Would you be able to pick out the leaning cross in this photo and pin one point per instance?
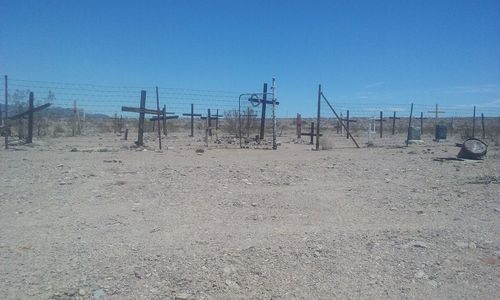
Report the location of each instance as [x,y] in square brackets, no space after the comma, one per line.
[29,113]
[142,111]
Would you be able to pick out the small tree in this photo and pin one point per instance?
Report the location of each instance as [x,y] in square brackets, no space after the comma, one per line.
[231,121]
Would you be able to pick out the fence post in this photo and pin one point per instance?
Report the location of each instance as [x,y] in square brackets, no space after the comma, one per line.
[7,128]
[30,119]
[393,123]
[318,117]
[381,123]
[474,122]
[421,123]
[312,134]
[347,123]
[409,125]
[482,125]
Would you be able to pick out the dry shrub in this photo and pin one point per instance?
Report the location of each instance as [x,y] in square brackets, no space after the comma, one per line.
[326,143]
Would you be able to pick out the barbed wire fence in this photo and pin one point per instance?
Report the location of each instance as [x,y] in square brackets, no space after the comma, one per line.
[104,102]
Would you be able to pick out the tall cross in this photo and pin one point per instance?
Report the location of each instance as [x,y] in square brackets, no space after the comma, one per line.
[436,112]
[192,115]
[29,114]
[255,99]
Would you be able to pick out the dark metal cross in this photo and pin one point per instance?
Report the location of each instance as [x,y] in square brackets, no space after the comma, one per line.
[258,101]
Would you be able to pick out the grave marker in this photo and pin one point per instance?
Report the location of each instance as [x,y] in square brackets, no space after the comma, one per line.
[29,114]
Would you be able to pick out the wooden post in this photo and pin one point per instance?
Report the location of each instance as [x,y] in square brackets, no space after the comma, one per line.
[192,120]
[73,132]
[209,123]
[7,128]
[164,121]
[30,119]
[158,108]
[482,125]
[421,123]
[140,134]
[318,117]
[217,122]
[409,125]
[347,123]
[126,134]
[394,123]
[312,134]
[298,125]
[381,123]
[474,122]
[263,114]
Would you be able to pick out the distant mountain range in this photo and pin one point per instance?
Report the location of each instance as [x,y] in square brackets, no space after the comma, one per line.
[56,112]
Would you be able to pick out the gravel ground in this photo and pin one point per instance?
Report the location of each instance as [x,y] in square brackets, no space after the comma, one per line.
[93,218]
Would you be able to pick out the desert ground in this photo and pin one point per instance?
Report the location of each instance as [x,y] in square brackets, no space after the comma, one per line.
[91,217]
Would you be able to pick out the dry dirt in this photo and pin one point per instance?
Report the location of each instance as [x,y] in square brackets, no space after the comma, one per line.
[110,222]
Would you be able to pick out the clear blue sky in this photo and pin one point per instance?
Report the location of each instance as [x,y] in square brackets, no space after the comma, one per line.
[445,52]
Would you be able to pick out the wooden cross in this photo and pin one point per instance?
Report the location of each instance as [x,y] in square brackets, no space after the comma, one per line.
[142,111]
[393,118]
[347,120]
[29,114]
[421,122]
[248,115]
[312,134]
[436,111]
[192,115]
[209,119]
[164,119]
[255,99]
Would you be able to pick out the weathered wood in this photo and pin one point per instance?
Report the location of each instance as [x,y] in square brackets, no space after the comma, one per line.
[126,134]
[192,115]
[7,129]
[474,122]
[318,117]
[158,116]
[26,113]
[140,110]
[263,113]
[394,118]
[154,119]
[381,121]
[29,140]
[482,125]
[421,122]
[409,125]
